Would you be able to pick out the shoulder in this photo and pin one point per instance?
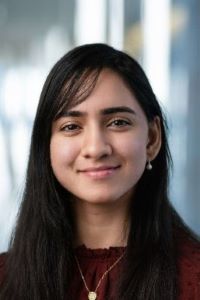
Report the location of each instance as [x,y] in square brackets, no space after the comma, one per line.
[3,257]
[189,268]
[189,253]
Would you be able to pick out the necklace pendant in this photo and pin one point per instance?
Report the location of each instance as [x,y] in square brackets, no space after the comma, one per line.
[92,295]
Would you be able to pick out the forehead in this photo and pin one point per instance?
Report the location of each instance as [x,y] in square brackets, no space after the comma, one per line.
[109,91]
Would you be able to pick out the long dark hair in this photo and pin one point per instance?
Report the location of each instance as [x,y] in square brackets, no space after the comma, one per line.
[40,256]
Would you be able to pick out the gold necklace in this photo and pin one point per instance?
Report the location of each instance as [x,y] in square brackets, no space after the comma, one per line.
[92,295]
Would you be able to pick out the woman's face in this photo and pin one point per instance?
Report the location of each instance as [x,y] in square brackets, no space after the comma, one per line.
[99,147]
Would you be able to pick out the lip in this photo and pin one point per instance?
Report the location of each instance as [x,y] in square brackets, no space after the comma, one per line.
[100,172]
[101,168]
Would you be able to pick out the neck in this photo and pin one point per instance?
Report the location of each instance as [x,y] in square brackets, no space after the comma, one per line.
[101,225]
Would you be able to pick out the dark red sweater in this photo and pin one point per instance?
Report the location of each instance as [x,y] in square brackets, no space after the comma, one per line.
[95,262]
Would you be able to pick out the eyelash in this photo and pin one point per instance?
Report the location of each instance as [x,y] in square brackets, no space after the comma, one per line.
[68,126]
[125,122]
[75,126]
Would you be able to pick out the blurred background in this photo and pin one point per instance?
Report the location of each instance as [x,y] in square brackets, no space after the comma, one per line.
[164,36]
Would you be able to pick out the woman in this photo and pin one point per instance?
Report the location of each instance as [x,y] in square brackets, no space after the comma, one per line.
[95,220]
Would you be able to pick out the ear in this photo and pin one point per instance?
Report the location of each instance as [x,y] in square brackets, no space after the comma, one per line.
[154,139]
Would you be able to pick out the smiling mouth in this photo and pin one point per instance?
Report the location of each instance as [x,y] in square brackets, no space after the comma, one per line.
[102,172]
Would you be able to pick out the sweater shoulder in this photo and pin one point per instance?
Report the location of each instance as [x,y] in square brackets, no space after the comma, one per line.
[3,258]
[189,269]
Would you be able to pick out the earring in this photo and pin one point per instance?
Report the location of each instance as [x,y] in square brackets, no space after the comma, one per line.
[149,166]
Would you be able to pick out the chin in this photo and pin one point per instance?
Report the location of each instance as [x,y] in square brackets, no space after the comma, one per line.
[100,199]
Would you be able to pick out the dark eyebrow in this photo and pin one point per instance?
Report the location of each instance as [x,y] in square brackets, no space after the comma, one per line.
[113,110]
[72,113]
[105,111]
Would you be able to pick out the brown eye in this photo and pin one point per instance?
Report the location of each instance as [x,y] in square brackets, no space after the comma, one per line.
[119,123]
[71,127]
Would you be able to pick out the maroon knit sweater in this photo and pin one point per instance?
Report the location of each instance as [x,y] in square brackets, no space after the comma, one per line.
[94,262]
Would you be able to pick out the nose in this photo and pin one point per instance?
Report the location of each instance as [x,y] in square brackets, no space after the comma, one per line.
[96,144]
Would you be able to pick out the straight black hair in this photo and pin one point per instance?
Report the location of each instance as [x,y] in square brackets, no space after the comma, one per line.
[40,257]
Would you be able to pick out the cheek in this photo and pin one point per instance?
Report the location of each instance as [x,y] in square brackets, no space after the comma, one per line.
[132,147]
[62,153]
[133,151]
